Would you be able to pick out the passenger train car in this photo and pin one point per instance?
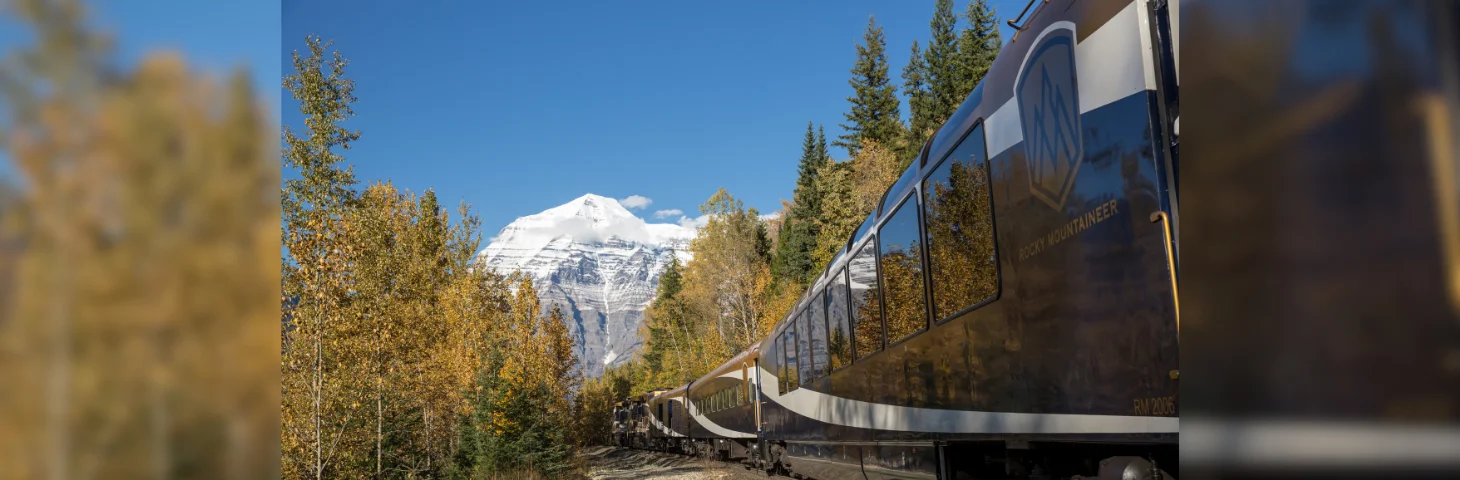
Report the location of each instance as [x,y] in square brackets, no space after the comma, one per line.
[1010,308]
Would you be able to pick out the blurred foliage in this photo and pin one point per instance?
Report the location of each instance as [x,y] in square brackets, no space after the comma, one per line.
[137,248]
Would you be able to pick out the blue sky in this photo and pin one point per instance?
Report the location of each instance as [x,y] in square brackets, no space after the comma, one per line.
[216,37]
[517,107]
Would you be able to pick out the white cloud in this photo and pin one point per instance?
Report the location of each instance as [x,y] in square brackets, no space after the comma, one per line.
[635,201]
[693,223]
[668,213]
[770,216]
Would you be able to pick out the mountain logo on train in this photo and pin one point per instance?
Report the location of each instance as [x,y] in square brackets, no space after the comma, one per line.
[1049,112]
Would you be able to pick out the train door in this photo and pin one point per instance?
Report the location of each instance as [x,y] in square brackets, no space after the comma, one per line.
[755,401]
[1161,25]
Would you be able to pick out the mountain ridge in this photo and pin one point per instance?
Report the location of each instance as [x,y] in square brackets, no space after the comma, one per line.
[596,260]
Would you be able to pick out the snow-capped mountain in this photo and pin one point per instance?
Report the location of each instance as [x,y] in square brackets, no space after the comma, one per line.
[596,260]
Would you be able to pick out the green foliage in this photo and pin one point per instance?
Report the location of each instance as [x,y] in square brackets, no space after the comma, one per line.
[875,113]
[944,82]
[593,409]
[978,45]
[799,229]
[324,96]
[510,428]
[920,99]
[821,150]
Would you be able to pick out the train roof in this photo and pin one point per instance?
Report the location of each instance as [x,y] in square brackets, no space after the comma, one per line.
[669,393]
[733,364]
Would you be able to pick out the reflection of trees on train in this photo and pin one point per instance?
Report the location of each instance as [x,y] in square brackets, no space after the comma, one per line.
[960,237]
[958,218]
[867,306]
[841,348]
[903,281]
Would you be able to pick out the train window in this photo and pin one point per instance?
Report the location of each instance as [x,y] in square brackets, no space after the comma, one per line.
[803,347]
[903,182]
[960,229]
[816,317]
[902,272]
[745,376]
[839,343]
[779,350]
[866,304]
[864,228]
[791,367]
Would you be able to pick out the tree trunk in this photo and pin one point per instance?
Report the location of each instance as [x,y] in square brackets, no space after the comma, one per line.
[161,461]
[379,420]
[318,392]
[59,380]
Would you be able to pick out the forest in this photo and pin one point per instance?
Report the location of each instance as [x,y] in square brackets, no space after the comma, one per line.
[401,360]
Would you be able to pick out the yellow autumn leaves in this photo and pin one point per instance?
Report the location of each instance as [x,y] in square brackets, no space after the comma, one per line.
[401,358]
[138,241]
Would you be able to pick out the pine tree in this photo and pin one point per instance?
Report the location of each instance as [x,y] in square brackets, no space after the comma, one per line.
[977,46]
[851,192]
[875,112]
[811,162]
[942,64]
[920,100]
[797,237]
[822,151]
[520,417]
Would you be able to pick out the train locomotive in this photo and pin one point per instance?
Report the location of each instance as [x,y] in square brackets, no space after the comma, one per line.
[1009,310]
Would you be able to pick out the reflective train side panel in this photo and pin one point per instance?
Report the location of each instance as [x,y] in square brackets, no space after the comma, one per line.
[1010,308]
[722,408]
[669,423]
[1016,284]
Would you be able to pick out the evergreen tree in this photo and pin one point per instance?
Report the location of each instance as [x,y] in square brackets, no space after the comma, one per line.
[822,151]
[663,328]
[799,230]
[520,417]
[811,162]
[942,64]
[920,99]
[977,46]
[875,113]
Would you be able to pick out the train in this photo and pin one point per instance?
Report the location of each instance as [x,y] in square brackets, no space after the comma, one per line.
[1009,310]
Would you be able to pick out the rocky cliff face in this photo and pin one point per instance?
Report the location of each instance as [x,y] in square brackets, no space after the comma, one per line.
[597,261]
